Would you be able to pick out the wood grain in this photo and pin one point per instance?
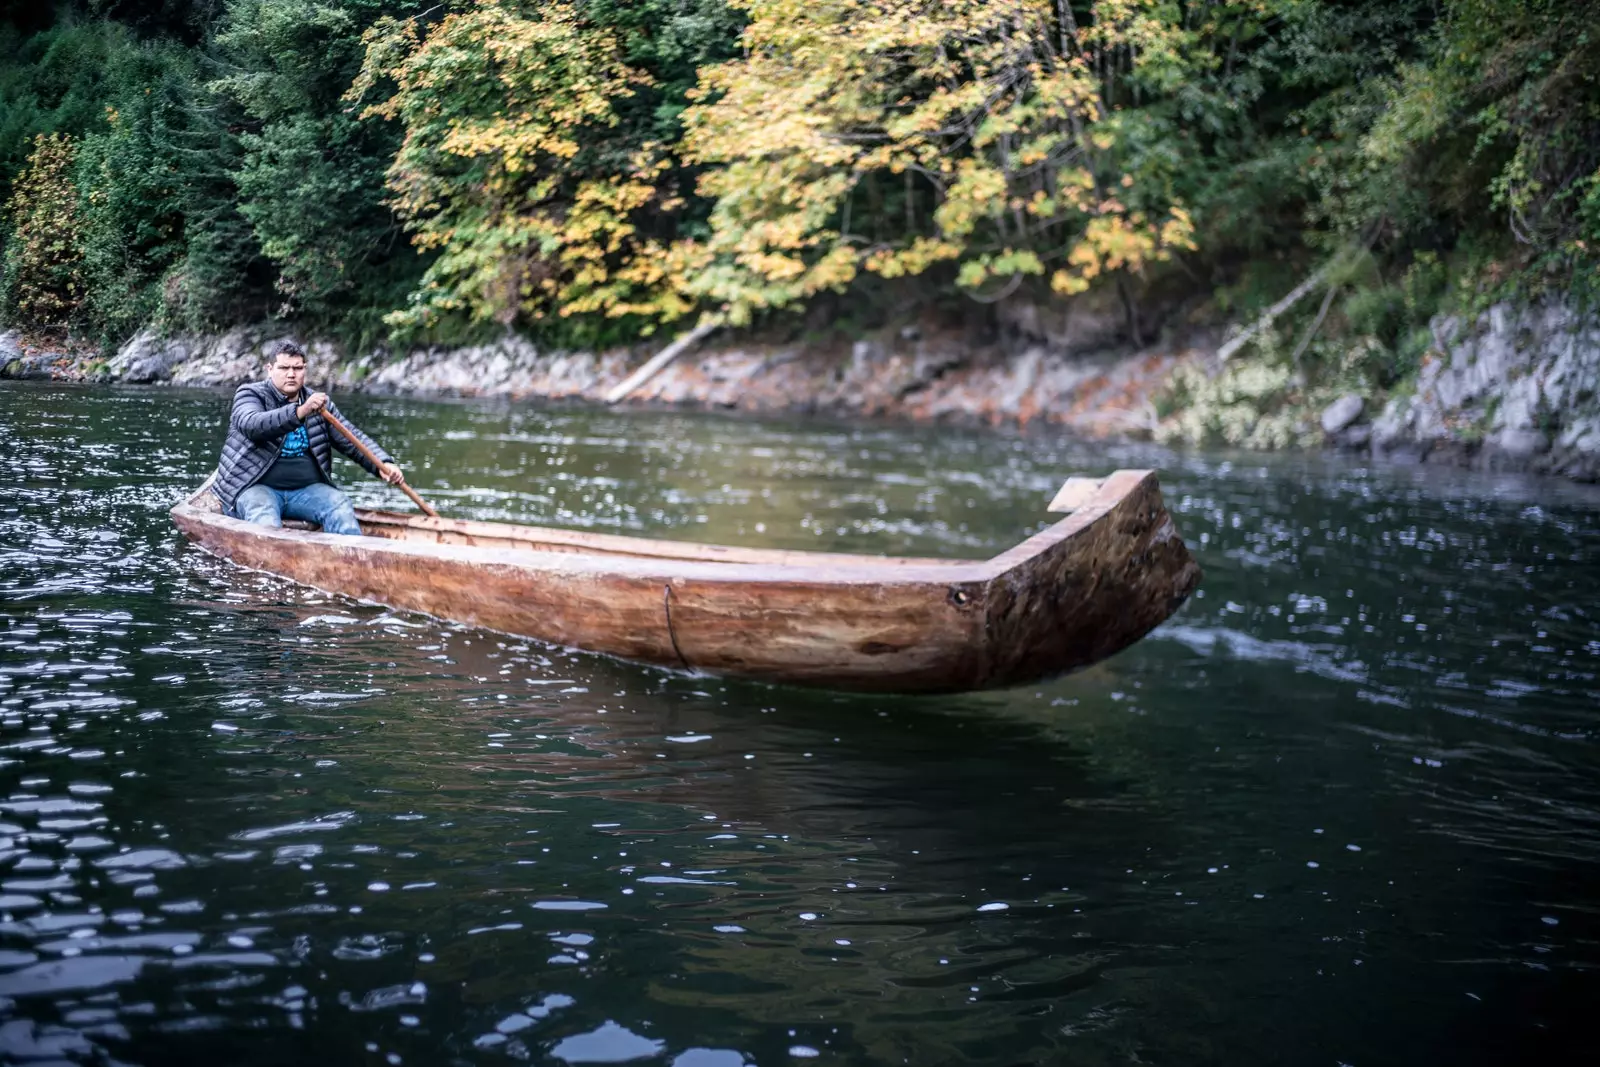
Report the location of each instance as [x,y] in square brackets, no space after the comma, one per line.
[1078,591]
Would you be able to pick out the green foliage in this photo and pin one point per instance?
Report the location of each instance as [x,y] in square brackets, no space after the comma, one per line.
[669,41]
[517,170]
[590,171]
[309,174]
[161,234]
[131,195]
[1499,129]
[1389,321]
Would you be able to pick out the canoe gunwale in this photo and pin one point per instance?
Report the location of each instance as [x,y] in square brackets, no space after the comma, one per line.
[744,565]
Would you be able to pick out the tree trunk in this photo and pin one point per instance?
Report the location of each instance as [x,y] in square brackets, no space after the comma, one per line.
[659,361]
[1130,307]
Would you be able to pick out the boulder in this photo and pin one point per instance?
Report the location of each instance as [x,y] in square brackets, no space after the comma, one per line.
[1526,377]
[1393,425]
[148,358]
[234,357]
[1520,443]
[1024,373]
[1581,435]
[1084,323]
[1354,437]
[19,362]
[1342,412]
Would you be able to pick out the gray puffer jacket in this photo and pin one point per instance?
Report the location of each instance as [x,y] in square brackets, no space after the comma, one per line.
[262,417]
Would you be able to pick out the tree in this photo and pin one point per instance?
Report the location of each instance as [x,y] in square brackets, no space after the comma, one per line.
[510,172]
[310,174]
[1001,137]
[1500,125]
[132,185]
[43,279]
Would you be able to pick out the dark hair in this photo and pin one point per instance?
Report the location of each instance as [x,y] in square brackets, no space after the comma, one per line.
[286,348]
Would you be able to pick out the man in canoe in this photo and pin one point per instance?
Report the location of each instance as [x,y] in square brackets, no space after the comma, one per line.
[276,460]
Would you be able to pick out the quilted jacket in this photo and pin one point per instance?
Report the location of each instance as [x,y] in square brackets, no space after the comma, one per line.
[262,417]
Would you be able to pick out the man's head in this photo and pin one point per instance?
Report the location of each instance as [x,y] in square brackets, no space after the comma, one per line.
[286,368]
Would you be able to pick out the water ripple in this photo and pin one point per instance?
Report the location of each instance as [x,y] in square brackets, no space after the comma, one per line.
[1353,779]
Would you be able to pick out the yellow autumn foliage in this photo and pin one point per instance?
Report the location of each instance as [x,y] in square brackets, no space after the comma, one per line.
[42,269]
[503,106]
[983,117]
[893,137]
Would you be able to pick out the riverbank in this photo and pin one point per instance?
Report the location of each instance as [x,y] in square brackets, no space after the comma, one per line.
[1511,390]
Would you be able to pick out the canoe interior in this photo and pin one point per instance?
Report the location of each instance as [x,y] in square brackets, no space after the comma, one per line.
[420,529]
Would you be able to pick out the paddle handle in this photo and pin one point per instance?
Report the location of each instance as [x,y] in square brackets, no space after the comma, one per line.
[372,458]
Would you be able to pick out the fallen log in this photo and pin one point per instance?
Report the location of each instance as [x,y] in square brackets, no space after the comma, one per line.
[1299,292]
[659,361]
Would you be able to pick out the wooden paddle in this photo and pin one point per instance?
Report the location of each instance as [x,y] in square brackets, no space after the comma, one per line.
[427,509]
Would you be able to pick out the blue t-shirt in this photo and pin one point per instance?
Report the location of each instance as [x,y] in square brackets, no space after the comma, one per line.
[295,467]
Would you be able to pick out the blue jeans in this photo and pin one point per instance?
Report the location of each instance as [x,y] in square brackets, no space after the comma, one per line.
[319,503]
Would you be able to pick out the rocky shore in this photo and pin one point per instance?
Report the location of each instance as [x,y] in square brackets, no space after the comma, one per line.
[1510,390]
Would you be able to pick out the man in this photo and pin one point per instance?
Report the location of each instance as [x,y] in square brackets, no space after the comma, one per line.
[276,460]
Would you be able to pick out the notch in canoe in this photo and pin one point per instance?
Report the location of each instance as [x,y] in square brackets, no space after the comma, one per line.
[1078,591]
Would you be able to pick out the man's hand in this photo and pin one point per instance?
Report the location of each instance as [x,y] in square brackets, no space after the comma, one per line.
[314,403]
[392,474]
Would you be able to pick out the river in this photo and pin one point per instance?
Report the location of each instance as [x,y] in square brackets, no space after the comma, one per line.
[1343,808]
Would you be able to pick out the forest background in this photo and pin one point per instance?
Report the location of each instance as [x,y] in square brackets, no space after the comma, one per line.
[592,172]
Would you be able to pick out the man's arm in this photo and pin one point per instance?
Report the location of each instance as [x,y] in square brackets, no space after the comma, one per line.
[258,422]
[340,442]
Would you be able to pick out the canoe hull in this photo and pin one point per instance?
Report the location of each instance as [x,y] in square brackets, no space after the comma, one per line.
[1079,591]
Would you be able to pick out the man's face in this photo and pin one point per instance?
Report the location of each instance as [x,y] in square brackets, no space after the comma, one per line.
[288,373]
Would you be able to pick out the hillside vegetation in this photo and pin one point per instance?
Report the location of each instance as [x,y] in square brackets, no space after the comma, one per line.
[588,172]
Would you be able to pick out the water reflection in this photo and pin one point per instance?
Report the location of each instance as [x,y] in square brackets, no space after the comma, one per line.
[243,822]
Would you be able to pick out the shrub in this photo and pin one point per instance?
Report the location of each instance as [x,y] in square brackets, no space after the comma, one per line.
[43,280]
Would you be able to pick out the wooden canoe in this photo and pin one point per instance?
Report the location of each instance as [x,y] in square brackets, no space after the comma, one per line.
[1072,594]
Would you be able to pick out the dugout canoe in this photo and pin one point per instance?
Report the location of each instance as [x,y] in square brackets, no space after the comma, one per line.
[1078,591]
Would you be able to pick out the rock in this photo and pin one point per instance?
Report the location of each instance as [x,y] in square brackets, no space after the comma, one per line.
[1445,330]
[1354,437]
[234,357]
[1519,406]
[147,358]
[1392,426]
[932,361]
[1087,322]
[1581,435]
[1515,388]
[1342,412]
[1520,443]
[1521,375]
[863,354]
[1025,371]
[22,363]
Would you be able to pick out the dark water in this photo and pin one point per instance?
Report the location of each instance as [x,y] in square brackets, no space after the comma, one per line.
[1344,809]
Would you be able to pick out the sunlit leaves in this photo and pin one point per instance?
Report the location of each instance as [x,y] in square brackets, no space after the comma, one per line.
[883,136]
[43,279]
[985,123]
[503,106]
